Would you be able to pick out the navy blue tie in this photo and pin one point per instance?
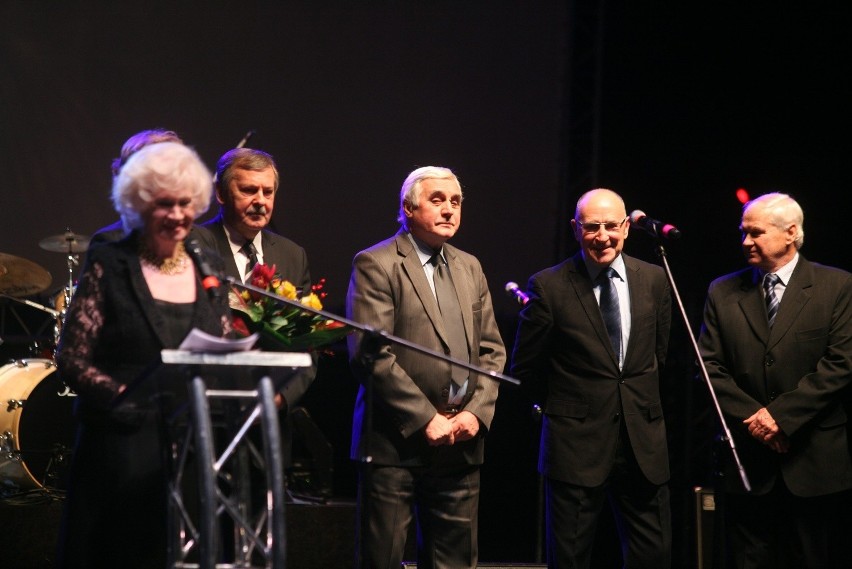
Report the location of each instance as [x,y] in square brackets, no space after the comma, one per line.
[610,308]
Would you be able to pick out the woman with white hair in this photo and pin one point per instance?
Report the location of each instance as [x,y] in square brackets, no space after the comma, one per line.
[135,297]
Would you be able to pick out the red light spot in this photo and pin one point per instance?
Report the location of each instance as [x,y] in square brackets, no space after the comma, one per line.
[742,195]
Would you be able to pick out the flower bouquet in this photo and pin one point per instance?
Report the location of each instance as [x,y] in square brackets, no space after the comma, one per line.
[282,327]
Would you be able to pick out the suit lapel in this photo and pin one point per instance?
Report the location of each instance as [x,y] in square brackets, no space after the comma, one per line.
[753,305]
[224,247]
[580,280]
[464,287]
[267,241]
[142,294]
[417,276]
[796,296]
[635,282]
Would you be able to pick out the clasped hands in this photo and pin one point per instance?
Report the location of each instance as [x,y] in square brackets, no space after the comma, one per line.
[763,427]
[441,430]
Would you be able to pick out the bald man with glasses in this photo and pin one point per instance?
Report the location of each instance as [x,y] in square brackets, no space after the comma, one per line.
[589,348]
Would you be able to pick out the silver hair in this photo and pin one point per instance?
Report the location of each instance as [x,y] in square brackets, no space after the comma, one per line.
[410,192]
[782,212]
[161,166]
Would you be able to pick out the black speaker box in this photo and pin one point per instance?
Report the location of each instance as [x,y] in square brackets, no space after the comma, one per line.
[705,510]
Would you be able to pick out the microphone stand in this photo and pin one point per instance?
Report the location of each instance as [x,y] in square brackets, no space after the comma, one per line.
[373,340]
[376,337]
[661,252]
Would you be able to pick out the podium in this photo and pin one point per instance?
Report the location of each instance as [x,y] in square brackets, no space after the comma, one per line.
[238,388]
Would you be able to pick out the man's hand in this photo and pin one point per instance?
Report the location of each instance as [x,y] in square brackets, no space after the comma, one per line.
[439,431]
[763,427]
[779,443]
[465,425]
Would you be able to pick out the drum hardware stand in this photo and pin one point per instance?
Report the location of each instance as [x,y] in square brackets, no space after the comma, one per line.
[34,348]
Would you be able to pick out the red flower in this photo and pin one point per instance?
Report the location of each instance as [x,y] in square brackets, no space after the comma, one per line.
[240,327]
[262,275]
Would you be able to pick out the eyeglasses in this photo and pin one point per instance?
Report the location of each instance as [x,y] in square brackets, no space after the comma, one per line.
[595,226]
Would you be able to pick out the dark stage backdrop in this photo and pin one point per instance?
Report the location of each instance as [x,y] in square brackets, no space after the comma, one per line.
[697,100]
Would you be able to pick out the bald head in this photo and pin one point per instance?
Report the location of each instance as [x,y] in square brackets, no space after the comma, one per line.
[600,225]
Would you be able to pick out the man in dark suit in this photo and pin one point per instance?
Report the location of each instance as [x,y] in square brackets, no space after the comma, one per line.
[777,345]
[429,419]
[591,343]
[246,187]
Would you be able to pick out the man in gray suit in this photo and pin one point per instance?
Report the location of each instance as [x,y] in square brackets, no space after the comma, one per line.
[777,345]
[425,438]
[246,187]
[590,345]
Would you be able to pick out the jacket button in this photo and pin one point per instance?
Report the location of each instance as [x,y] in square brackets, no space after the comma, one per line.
[445,392]
[769,361]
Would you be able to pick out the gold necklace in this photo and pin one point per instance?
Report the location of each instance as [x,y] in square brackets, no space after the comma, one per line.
[173,265]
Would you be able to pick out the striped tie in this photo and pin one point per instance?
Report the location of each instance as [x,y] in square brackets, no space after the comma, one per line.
[250,252]
[772,302]
[610,308]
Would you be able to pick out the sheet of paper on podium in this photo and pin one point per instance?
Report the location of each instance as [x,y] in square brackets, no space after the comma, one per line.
[200,341]
[202,348]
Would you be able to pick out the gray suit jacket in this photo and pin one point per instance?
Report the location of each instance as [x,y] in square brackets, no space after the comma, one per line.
[389,291]
[798,370]
[563,355]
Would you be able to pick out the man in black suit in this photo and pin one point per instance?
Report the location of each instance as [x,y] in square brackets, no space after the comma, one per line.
[246,188]
[777,345]
[596,363]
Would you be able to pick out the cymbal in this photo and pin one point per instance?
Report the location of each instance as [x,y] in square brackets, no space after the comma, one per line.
[68,242]
[19,277]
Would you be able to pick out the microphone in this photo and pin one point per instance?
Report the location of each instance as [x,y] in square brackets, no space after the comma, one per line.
[652,226]
[245,139]
[209,277]
[519,295]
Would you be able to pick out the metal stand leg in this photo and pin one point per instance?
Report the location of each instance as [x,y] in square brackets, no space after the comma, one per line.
[258,536]
[276,531]
[202,426]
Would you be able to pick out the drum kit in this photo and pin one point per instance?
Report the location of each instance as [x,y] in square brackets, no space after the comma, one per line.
[36,407]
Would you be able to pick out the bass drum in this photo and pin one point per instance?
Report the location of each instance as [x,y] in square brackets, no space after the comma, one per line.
[36,431]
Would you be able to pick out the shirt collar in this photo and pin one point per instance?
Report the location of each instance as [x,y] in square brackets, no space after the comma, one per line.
[785,272]
[424,252]
[617,265]
[237,241]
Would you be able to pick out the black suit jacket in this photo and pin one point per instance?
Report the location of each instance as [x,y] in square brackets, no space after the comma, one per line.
[113,293]
[798,370]
[289,258]
[291,262]
[563,354]
[115,510]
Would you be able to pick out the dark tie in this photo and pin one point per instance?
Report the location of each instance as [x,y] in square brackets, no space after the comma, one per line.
[610,309]
[250,252]
[772,302]
[448,302]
